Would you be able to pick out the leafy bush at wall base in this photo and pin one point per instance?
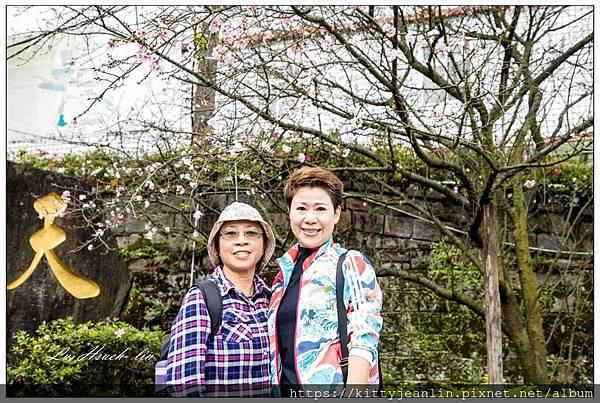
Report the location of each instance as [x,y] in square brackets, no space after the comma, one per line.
[63,359]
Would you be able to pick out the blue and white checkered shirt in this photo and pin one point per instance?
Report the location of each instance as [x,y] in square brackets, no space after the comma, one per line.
[233,363]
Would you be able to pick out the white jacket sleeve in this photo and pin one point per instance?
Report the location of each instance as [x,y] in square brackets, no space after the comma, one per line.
[364,298]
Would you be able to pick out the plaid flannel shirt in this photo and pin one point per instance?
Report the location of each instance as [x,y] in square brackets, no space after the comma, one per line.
[233,363]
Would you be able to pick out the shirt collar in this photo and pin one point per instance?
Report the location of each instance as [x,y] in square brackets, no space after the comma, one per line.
[328,244]
[288,259]
[225,285]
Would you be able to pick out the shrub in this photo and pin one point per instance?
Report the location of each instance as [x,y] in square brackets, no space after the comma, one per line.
[108,358]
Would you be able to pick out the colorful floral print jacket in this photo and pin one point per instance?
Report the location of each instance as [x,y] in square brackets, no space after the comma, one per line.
[317,346]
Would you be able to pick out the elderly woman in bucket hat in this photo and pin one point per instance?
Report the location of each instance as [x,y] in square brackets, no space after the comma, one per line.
[235,362]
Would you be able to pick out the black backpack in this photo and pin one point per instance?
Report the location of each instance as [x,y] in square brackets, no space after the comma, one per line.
[343,324]
[214,303]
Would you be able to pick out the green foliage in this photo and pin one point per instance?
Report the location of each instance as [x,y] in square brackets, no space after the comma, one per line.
[450,266]
[91,164]
[155,298]
[569,177]
[108,358]
[445,340]
[567,305]
[145,249]
[200,40]
[153,308]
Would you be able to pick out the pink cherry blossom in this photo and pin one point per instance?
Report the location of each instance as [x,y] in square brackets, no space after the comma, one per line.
[218,50]
[277,133]
[442,47]
[389,30]
[304,158]
[234,35]
[393,54]
[286,22]
[143,53]
[66,196]
[222,54]
[215,25]
[529,183]
[240,43]
[268,36]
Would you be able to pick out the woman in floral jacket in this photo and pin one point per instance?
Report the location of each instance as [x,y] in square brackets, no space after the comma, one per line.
[302,319]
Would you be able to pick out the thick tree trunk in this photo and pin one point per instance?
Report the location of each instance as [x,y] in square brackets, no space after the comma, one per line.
[519,337]
[533,317]
[493,312]
[203,102]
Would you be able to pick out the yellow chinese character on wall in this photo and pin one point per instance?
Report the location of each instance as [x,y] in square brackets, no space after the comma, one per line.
[45,240]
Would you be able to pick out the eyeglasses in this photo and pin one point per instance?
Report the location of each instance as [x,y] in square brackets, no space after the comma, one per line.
[232,235]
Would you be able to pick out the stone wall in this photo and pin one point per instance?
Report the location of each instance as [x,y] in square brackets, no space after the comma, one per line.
[424,337]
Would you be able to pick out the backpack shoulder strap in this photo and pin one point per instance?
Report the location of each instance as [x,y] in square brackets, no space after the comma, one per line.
[343,323]
[342,315]
[164,348]
[214,304]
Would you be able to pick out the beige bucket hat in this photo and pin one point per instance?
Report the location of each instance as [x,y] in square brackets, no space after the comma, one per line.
[240,211]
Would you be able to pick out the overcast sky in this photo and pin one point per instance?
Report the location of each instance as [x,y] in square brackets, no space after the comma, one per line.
[20,19]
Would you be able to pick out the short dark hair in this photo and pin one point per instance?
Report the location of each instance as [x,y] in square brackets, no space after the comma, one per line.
[314,177]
